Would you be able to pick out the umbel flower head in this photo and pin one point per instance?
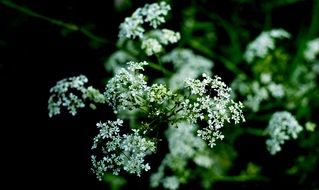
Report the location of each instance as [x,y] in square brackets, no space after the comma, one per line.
[71,93]
[153,14]
[217,109]
[120,152]
[205,100]
[282,127]
[265,42]
[152,41]
[128,90]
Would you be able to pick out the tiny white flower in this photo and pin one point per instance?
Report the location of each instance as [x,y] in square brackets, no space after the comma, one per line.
[282,126]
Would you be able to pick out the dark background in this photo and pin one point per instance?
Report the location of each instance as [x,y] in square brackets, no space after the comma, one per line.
[43,153]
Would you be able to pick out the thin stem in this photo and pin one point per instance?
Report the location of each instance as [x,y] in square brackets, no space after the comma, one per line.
[152,128]
[174,112]
[125,155]
[69,26]
[240,178]
[160,68]
[144,110]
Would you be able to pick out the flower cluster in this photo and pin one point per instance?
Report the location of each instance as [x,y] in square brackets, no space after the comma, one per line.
[265,42]
[151,41]
[159,98]
[186,106]
[282,126]
[71,93]
[120,152]
[154,40]
[217,109]
[167,36]
[154,14]
[126,89]
[151,46]
[207,99]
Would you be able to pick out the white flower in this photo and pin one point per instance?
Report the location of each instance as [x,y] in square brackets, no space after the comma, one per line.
[155,13]
[218,109]
[151,46]
[265,42]
[120,152]
[127,88]
[63,97]
[168,36]
[282,126]
[158,93]
[132,26]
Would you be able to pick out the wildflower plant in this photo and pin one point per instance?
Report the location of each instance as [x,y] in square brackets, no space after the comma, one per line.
[167,95]
[152,41]
[199,98]
[128,90]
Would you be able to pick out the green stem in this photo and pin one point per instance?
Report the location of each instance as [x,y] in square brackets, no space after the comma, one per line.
[240,178]
[69,26]
[160,68]
[160,63]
